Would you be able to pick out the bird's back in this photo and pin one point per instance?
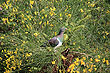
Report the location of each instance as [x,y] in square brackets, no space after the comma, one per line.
[53,42]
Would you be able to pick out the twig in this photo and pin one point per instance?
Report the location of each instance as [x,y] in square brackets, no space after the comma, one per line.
[79,54]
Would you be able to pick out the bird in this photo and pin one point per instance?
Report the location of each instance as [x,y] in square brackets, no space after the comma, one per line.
[57,40]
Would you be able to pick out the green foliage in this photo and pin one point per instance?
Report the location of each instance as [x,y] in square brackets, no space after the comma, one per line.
[26,25]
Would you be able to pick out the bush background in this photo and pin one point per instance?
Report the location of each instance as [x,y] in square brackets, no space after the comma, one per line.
[26,24]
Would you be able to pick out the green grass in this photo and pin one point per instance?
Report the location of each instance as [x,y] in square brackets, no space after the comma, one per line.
[26,25]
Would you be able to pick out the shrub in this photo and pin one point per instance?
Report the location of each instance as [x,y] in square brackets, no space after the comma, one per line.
[25,26]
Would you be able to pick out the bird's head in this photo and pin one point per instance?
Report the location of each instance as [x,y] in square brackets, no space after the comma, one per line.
[63,29]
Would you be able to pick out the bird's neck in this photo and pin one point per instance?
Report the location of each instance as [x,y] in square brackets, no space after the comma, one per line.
[60,36]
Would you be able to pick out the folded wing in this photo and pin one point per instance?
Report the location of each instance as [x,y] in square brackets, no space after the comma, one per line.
[53,42]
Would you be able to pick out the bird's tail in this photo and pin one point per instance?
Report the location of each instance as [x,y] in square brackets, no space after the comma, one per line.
[44,44]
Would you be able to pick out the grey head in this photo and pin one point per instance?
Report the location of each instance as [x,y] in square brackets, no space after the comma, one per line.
[62,30]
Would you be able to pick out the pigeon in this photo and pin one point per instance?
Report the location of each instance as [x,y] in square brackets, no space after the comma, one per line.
[57,40]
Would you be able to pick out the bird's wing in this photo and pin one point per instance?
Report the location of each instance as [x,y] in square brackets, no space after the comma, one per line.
[53,42]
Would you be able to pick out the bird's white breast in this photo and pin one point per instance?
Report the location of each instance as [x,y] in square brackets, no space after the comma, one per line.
[59,44]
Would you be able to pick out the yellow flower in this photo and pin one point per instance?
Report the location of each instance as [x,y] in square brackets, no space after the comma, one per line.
[61,18]
[65,10]
[91,59]
[104,37]
[82,62]
[88,2]
[98,56]
[107,11]
[46,15]
[79,47]
[71,67]
[11,19]
[8,52]
[1,37]
[42,10]
[15,52]
[53,62]
[107,62]
[35,13]
[42,17]
[60,70]
[13,24]
[84,70]
[64,71]
[27,11]
[7,71]
[94,65]
[8,65]
[92,5]
[77,72]
[47,22]
[2,43]
[6,6]
[51,25]
[35,34]
[95,69]
[31,6]
[69,15]
[55,33]
[19,66]
[76,63]
[4,20]
[77,59]
[53,9]
[30,54]
[0,58]
[27,16]
[7,1]
[50,50]
[81,10]
[106,33]
[22,21]
[66,13]
[40,22]
[60,14]
[2,50]
[51,13]
[103,60]
[12,56]
[84,58]
[26,32]
[13,67]
[68,70]
[74,43]
[5,50]
[31,2]
[13,9]
[63,57]
[23,42]
[97,60]
[96,48]
[90,70]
